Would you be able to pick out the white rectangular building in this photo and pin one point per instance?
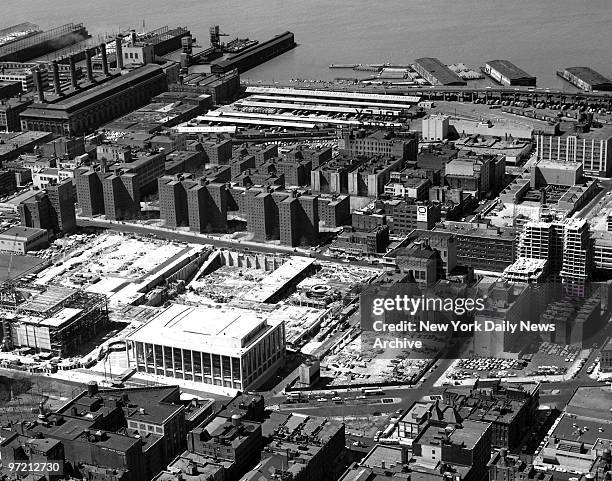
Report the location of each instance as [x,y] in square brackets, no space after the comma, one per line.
[20,240]
[435,128]
[227,348]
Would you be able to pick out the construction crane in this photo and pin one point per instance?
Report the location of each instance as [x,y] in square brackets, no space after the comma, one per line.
[215,37]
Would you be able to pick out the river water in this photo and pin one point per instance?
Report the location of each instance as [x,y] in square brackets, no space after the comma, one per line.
[540,36]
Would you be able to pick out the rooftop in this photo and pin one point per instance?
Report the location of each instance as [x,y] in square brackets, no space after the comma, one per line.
[508,69]
[593,402]
[589,75]
[18,233]
[95,93]
[441,72]
[223,329]
[270,285]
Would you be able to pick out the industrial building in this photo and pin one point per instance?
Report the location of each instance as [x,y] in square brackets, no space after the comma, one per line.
[506,73]
[384,143]
[164,111]
[435,128]
[586,79]
[40,43]
[481,246]
[13,144]
[10,109]
[20,240]
[362,243]
[86,110]
[54,319]
[256,55]
[305,109]
[235,350]
[330,97]
[221,87]
[482,175]
[436,73]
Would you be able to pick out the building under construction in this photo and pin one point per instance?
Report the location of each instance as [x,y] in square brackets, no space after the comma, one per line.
[41,43]
[52,319]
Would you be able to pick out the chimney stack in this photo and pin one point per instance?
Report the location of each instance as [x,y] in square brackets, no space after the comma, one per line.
[73,77]
[104,59]
[39,85]
[90,75]
[56,78]
[119,53]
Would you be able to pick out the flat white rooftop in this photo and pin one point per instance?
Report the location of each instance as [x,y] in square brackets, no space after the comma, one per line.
[204,129]
[560,165]
[60,318]
[271,284]
[318,108]
[333,94]
[526,264]
[226,115]
[307,101]
[221,329]
[250,121]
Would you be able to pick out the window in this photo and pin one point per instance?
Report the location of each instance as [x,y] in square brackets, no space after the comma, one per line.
[217,365]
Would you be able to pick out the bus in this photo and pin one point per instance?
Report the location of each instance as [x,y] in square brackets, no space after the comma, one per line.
[296,397]
[372,391]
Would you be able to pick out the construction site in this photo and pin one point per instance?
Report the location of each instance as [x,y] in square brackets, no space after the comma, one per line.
[55,320]
[128,270]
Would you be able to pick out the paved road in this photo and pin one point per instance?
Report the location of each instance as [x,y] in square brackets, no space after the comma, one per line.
[407,396]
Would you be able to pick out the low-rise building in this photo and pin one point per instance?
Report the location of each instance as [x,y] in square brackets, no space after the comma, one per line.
[23,239]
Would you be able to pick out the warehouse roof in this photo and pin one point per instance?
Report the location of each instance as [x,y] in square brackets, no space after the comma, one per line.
[441,72]
[508,69]
[99,92]
[253,50]
[589,75]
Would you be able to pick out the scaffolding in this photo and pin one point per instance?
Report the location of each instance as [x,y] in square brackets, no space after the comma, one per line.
[56,319]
